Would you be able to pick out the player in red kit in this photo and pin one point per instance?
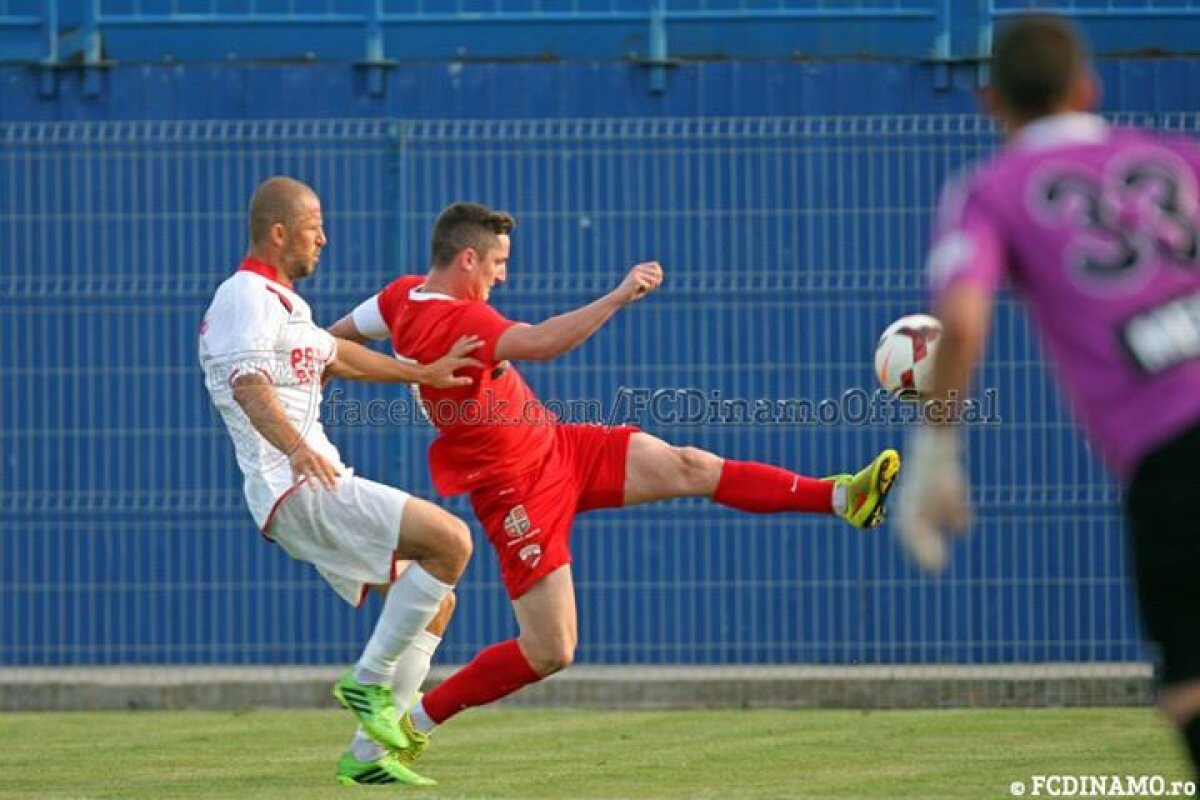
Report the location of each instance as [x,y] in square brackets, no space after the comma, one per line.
[527,474]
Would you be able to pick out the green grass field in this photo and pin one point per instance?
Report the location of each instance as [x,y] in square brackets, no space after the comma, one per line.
[586,754]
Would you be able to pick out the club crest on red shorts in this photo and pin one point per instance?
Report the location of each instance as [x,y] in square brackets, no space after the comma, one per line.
[516,523]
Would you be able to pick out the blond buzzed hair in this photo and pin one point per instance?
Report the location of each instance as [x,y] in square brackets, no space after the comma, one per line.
[276,200]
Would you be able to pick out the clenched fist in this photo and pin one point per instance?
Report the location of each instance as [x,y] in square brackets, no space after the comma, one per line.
[641,280]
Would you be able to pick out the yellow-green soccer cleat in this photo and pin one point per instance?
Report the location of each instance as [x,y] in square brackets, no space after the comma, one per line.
[386,769]
[375,707]
[417,741]
[867,491]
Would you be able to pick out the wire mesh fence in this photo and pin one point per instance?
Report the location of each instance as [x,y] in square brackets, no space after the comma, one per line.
[788,244]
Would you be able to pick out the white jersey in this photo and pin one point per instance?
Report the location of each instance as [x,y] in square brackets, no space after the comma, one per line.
[255,324]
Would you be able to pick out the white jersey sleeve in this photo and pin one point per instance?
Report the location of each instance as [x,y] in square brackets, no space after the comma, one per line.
[243,331]
[369,320]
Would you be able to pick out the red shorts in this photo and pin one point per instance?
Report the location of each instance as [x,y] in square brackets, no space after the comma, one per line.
[528,518]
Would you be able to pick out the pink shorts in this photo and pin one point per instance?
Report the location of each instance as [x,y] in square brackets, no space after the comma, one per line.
[528,518]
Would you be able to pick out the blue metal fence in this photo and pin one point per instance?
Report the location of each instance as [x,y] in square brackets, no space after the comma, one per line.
[652,32]
[789,243]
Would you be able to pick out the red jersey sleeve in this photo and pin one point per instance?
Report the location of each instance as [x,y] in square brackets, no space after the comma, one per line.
[391,299]
[488,324]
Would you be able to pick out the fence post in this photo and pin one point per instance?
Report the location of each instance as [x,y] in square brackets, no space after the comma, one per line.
[657,58]
[48,79]
[964,38]
[658,47]
[983,73]
[91,48]
[375,62]
[943,48]
[399,136]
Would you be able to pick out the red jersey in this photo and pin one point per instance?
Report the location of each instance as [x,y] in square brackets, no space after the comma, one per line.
[490,431]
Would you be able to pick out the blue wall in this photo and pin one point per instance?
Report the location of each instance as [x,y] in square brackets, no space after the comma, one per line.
[55,32]
[793,234]
[577,89]
[486,91]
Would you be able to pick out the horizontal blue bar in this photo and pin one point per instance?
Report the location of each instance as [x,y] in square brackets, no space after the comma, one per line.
[941,30]
[1104,13]
[521,18]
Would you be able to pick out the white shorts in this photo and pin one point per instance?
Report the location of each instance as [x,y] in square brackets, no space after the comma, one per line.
[348,533]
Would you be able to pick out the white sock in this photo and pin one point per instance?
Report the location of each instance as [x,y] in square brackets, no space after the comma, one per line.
[410,605]
[839,498]
[420,719]
[364,748]
[411,670]
[413,666]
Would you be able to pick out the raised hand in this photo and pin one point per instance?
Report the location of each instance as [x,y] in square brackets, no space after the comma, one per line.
[641,280]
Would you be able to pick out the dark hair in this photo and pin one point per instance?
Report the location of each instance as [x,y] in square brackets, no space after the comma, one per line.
[464,225]
[276,199]
[1036,60]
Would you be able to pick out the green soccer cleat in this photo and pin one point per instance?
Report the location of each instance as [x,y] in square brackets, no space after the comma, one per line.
[867,491]
[386,769]
[375,707]
[417,741]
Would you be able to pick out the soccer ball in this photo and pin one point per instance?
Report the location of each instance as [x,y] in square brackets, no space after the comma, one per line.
[905,352]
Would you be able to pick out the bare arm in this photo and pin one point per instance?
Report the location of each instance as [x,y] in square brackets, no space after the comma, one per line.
[933,502]
[257,398]
[346,330]
[965,312]
[557,335]
[553,337]
[358,363]
[933,498]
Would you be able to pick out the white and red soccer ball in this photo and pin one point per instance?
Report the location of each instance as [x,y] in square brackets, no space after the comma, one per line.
[905,352]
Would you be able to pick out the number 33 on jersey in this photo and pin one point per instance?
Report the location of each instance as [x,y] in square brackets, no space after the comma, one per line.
[1105,248]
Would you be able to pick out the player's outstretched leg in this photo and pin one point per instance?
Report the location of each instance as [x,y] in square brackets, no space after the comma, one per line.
[866,492]
[383,770]
[656,470]
[549,625]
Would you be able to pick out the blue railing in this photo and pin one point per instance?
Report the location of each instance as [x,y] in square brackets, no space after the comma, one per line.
[1117,27]
[653,32]
[375,32]
[27,34]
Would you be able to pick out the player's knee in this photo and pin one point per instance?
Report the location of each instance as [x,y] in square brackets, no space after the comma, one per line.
[563,658]
[446,542]
[456,542]
[700,469]
[551,657]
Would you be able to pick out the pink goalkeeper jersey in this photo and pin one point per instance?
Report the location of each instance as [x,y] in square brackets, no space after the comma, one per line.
[1097,229]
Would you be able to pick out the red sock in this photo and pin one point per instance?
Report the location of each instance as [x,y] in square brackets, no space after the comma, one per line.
[495,672]
[764,489]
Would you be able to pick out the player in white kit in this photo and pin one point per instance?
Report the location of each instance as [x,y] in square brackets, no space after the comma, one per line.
[264,362]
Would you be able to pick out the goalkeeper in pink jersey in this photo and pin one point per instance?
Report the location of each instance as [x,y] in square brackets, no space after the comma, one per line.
[1097,228]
